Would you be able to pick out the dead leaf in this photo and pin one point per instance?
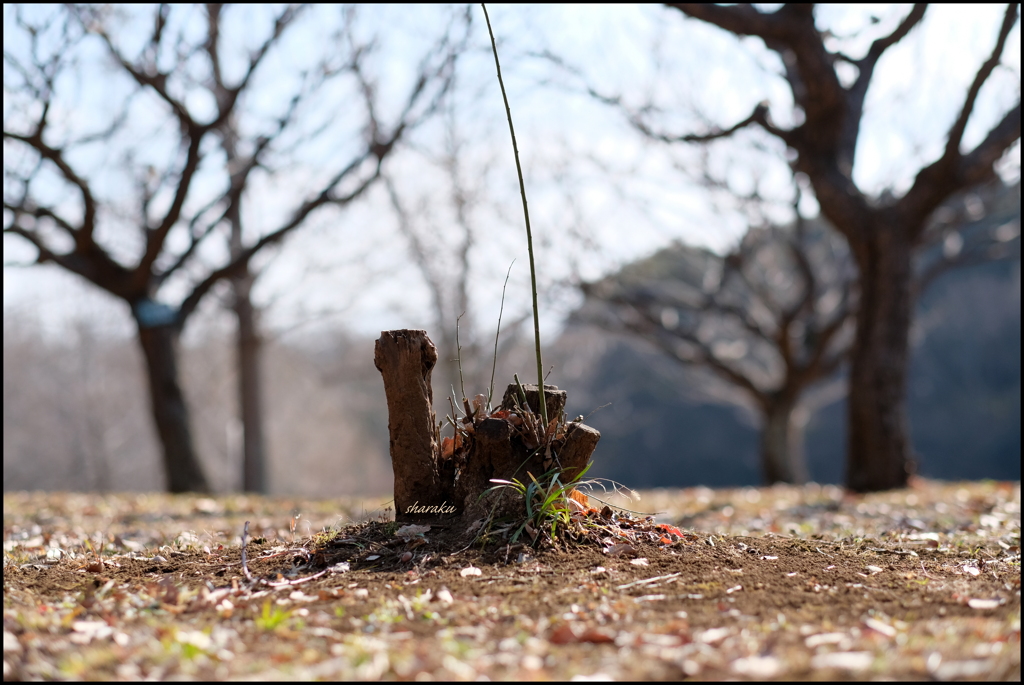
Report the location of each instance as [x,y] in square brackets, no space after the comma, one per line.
[984,603]
[879,627]
[845,661]
[620,549]
[411,530]
[565,634]
[597,636]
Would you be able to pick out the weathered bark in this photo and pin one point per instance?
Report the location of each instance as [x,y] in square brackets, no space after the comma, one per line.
[182,469]
[431,485]
[782,454]
[499,451]
[405,359]
[554,399]
[878,453]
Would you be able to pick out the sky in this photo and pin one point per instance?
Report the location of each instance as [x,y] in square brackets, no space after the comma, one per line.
[599,194]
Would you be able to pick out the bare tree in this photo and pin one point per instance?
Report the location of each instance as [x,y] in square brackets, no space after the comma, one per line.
[773,318]
[882,232]
[769,320]
[59,199]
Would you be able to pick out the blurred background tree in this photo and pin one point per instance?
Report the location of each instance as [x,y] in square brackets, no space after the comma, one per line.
[432,234]
[771,321]
[196,80]
[829,89]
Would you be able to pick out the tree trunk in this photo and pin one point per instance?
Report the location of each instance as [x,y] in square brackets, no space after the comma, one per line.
[782,443]
[170,413]
[250,392]
[878,447]
[405,359]
[250,380]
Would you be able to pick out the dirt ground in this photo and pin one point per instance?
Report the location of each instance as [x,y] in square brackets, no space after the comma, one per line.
[775,583]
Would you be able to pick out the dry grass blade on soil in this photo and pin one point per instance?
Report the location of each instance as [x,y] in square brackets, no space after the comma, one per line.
[778,583]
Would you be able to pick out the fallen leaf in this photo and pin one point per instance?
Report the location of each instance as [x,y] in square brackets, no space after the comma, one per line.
[759,667]
[813,641]
[411,530]
[984,603]
[597,636]
[670,529]
[713,635]
[846,661]
[879,627]
[620,549]
[565,634]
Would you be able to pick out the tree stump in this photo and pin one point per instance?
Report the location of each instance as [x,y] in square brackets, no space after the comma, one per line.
[439,479]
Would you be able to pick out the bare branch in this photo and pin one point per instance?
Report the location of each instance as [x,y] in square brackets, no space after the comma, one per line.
[705,355]
[942,178]
[758,116]
[976,166]
[956,132]
[866,65]
[237,264]
[743,20]
[83,235]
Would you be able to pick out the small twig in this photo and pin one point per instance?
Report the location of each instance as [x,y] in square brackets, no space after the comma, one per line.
[245,540]
[285,583]
[455,412]
[458,356]
[494,365]
[647,581]
[609,504]
[522,393]
[926,574]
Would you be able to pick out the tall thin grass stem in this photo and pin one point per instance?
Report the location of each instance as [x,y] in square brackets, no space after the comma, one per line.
[526,214]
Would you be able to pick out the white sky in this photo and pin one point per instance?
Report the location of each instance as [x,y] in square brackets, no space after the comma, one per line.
[584,166]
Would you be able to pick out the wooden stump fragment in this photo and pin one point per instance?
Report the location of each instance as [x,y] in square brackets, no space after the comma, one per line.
[553,398]
[405,359]
[432,483]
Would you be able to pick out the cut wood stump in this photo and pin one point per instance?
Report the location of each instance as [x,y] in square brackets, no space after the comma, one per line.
[445,478]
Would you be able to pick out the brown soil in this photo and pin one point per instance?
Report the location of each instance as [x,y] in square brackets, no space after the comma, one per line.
[780,583]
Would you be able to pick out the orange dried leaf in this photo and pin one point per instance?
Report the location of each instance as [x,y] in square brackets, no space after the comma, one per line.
[580,497]
[670,529]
